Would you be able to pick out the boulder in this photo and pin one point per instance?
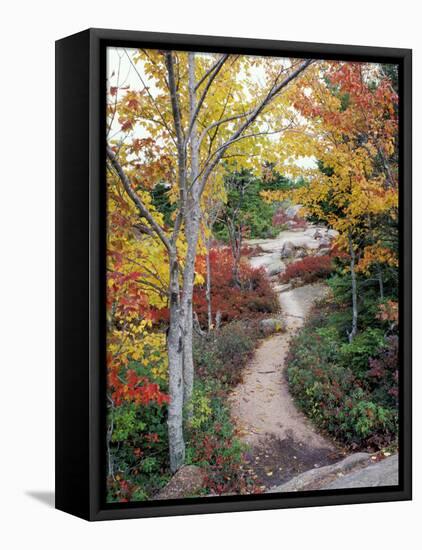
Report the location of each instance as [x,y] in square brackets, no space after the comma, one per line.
[283,288]
[322,252]
[300,252]
[291,211]
[296,282]
[324,243]
[275,269]
[271,326]
[380,474]
[186,482]
[356,470]
[288,250]
[317,478]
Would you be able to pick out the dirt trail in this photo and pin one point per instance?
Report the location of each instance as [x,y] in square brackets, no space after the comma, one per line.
[283,442]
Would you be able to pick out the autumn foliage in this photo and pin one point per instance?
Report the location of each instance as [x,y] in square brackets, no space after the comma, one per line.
[135,389]
[252,298]
[190,183]
[309,269]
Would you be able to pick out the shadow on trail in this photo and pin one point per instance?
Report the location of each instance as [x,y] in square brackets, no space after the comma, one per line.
[276,461]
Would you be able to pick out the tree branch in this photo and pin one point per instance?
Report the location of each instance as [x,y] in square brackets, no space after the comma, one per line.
[137,201]
[223,121]
[174,99]
[213,74]
[275,89]
[181,149]
[207,74]
[160,114]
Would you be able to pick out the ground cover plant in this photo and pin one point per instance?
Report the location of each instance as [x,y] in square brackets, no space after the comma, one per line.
[348,389]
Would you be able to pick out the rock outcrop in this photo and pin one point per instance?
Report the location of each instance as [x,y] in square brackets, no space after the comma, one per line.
[381,474]
[287,250]
[186,482]
[356,470]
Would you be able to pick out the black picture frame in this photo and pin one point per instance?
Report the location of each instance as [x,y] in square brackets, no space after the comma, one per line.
[80,273]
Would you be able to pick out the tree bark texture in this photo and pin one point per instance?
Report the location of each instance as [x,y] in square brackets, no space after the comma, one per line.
[354,328]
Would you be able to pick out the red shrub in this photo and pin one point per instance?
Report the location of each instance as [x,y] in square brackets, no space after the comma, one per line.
[254,297]
[280,218]
[335,252]
[248,251]
[299,223]
[308,269]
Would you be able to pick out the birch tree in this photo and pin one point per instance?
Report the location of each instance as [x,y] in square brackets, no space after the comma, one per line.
[213,200]
[201,109]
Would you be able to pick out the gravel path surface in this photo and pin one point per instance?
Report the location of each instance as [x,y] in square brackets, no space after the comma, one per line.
[282,440]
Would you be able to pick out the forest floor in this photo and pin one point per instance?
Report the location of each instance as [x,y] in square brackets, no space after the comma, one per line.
[282,441]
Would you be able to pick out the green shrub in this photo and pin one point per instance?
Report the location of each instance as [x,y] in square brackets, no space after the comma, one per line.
[212,442]
[383,374]
[138,452]
[199,407]
[356,354]
[368,418]
[222,354]
[211,439]
[347,389]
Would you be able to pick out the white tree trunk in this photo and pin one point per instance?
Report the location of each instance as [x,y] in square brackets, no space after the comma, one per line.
[175,332]
[192,234]
[192,223]
[236,256]
[175,360]
[208,286]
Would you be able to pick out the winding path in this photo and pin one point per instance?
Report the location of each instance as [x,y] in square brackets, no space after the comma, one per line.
[281,439]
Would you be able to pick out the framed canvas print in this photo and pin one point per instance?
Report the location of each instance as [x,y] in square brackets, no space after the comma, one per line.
[233,274]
